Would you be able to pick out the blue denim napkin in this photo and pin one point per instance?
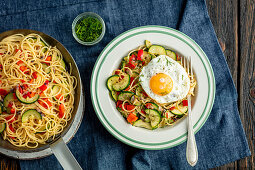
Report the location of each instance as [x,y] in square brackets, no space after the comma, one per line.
[221,140]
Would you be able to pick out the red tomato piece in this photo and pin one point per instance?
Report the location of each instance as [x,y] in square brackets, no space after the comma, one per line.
[185,102]
[61,110]
[3,92]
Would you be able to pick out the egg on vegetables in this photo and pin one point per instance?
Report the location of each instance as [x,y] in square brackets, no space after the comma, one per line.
[164,80]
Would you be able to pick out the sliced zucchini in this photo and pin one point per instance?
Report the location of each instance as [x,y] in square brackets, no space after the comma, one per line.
[55,90]
[122,84]
[112,80]
[2,127]
[44,44]
[125,95]
[171,54]
[26,100]
[124,114]
[181,110]
[114,95]
[147,43]
[32,113]
[153,105]
[42,129]
[154,116]
[157,50]
[139,91]
[147,119]
[45,68]
[62,62]
[7,99]
[147,57]
[141,123]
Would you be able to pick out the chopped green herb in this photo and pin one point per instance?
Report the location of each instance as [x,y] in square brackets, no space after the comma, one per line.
[182,77]
[158,60]
[88,29]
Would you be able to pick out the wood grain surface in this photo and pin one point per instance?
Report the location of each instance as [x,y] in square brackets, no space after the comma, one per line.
[234,24]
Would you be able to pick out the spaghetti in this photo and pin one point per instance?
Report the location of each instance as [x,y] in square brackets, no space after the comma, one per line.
[36,91]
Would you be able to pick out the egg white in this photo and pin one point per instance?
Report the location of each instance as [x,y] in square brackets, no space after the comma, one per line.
[168,66]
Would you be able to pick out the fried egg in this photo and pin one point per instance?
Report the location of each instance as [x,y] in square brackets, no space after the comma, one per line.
[164,80]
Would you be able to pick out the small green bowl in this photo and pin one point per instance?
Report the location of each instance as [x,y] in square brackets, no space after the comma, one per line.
[93,15]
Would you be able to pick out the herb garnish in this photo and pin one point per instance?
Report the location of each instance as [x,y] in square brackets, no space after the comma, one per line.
[88,29]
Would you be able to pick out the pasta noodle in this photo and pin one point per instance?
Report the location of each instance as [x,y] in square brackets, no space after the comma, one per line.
[29,66]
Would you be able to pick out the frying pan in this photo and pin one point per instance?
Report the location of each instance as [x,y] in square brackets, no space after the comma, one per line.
[58,145]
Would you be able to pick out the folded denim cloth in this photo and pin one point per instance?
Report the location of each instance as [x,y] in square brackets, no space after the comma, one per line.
[221,140]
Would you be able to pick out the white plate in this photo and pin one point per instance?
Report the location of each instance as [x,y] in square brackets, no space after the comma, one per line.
[110,59]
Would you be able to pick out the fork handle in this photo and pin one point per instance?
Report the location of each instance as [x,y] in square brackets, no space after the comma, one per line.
[191,150]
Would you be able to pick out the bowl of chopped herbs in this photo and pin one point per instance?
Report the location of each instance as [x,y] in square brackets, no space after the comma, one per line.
[88,28]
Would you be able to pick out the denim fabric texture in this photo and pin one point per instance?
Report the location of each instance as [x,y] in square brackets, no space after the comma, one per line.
[221,140]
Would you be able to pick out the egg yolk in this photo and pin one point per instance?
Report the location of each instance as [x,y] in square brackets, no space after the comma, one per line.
[161,84]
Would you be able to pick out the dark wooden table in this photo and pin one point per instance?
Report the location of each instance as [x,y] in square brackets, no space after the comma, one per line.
[234,24]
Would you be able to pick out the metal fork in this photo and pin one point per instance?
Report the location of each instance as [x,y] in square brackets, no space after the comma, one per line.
[191,150]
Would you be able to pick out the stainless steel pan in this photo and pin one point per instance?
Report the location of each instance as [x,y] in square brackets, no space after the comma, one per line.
[57,146]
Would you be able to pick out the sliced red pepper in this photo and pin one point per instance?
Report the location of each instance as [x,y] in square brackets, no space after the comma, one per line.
[61,110]
[12,129]
[10,117]
[3,92]
[31,94]
[34,74]
[132,66]
[17,50]
[130,107]
[131,79]
[44,86]
[19,62]
[143,62]
[140,55]
[23,68]
[1,67]
[25,86]
[132,59]
[128,88]
[185,102]
[119,103]
[31,81]
[172,108]
[14,95]
[22,81]
[131,118]
[41,94]
[43,104]
[25,95]
[148,105]
[20,89]
[10,104]
[48,58]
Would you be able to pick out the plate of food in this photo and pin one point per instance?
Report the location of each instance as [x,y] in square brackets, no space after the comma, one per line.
[41,98]
[139,87]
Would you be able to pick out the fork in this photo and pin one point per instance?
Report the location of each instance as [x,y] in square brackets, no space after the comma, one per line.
[191,149]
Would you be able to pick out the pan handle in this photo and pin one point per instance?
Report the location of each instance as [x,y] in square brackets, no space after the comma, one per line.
[64,155]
